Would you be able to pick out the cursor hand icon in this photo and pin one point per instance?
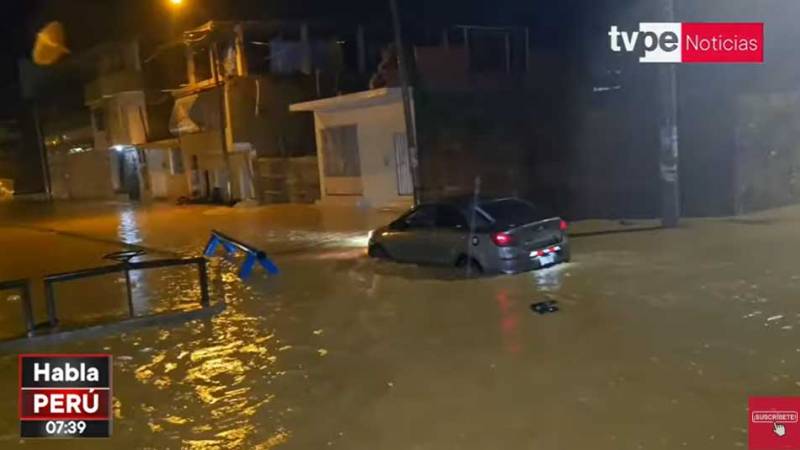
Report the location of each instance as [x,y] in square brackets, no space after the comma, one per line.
[779,429]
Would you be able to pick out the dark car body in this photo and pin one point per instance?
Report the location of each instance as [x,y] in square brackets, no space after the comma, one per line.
[499,235]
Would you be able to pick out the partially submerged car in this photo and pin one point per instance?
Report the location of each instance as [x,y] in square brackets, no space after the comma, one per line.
[498,235]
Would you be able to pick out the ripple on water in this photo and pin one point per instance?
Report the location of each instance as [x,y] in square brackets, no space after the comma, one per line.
[215,376]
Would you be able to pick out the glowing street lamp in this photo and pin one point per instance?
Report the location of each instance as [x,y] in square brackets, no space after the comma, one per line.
[176,2]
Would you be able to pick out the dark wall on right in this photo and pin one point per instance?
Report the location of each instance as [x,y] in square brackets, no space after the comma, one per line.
[584,136]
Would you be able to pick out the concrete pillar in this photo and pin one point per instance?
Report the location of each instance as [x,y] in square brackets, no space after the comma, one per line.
[190,77]
[241,57]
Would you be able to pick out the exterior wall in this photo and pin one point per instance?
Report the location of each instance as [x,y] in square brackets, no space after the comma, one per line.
[377,127]
[166,183]
[205,149]
[124,117]
[292,180]
[210,168]
[766,163]
[81,176]
[259,115]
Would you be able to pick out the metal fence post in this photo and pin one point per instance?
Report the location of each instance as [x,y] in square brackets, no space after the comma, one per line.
[129,291]
[51,303]
[201,267]
[27,309]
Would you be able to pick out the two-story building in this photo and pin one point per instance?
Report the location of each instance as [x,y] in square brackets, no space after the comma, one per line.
[231,119]
[99,148]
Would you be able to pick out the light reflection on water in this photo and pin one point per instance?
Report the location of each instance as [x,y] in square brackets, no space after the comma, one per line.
[509,322]
[128,229]
[217,377]
[551,279]
[219,380]
[208,384]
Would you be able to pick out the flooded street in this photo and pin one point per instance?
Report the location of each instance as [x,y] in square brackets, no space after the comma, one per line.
[661,336]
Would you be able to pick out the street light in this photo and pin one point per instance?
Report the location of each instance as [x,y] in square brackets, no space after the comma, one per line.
[176,2]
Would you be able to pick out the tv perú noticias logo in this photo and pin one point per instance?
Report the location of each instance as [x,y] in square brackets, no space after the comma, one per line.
[672,42]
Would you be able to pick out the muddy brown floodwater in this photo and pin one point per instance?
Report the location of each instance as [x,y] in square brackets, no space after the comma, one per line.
[661,336]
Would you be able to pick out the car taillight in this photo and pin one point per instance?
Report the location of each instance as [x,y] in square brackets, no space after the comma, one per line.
[563,225]
[502,239]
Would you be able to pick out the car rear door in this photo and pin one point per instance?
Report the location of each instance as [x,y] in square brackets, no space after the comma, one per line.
[449,238]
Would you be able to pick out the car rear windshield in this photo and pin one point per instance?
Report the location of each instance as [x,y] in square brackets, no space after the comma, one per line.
[513,212]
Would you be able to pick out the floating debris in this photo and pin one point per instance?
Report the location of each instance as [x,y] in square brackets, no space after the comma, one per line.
[547,307]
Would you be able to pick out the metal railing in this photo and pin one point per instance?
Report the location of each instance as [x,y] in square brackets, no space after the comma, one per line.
[125,266]
[27,307]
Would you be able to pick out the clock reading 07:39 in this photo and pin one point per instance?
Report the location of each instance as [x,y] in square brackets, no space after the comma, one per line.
[64,427]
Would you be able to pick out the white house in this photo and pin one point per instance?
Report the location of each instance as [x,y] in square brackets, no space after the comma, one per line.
[361,148]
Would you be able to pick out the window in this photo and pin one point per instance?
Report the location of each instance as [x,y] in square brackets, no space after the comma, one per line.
[450,217]
[201,58]
[422,217]
[176,161]
[340,151]
[259,54]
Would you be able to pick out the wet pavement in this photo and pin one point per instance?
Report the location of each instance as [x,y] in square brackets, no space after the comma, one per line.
[661,335]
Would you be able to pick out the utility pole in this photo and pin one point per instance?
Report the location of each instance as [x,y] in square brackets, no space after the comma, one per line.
[221,83]
[42,147]
[411,128]
[668,156]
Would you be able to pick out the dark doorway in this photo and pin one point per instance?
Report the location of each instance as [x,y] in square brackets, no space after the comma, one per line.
[207,184]
[129,173]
